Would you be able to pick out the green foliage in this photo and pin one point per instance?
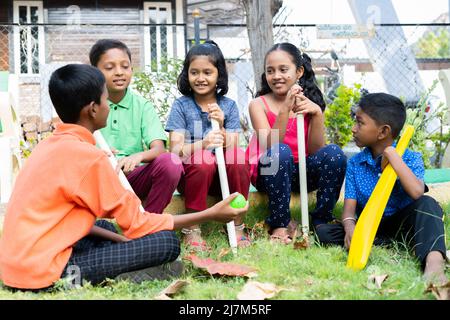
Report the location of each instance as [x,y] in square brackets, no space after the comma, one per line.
[419,118]
[434,44]
[27,146]
[159,85]
[338,119]
[25,149]
[440,139]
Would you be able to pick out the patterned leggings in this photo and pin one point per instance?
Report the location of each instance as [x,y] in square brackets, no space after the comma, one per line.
[278,175]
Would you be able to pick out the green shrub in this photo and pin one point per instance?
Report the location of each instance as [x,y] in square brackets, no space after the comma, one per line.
[420,117]
[160,86]
[440,139]
[338,119]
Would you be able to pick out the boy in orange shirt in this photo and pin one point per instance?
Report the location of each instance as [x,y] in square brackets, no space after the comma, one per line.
[66,184]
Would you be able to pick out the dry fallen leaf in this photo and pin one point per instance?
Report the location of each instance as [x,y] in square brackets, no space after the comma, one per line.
[172,289]
[222,268]
[302,243]
[175,287]
[202,263]
[390,291]
[260,229]
[254,290]
[253,274]
[162,297]
[440,292]
[223,253]
[377,280]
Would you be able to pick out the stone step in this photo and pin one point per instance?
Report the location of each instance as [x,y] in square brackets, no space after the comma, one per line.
[439,191]
[255,198]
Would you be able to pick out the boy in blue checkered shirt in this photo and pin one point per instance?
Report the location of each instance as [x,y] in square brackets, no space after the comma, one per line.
[409,213]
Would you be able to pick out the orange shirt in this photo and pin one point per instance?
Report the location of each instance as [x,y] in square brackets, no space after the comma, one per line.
[64,186]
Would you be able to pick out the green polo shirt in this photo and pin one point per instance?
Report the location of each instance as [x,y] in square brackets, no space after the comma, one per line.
[132,124]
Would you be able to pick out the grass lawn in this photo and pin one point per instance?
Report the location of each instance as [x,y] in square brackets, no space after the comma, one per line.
[316,273]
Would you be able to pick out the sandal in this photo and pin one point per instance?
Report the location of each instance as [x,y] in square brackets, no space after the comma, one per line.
[281,238]
[289,237]
[199,246]
[244,240]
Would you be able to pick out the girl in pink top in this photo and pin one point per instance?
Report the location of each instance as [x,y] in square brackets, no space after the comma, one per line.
[288,87]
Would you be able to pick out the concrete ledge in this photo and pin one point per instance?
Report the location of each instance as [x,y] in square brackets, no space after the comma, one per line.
[438,191]
[255,198]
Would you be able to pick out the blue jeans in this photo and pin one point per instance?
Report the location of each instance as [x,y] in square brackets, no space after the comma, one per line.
[278,176]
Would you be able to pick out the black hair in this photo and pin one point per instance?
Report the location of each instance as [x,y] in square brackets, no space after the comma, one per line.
[211,50]
[384,109]
[308,80]
[74,86]
[103,45]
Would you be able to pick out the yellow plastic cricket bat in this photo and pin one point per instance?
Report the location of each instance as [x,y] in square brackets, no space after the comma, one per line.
[369,220]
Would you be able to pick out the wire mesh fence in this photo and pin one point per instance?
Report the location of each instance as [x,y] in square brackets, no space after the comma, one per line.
[399,59]
[403,60]
[34,51]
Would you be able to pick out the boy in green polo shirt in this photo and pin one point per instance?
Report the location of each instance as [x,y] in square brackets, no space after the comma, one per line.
[132,124]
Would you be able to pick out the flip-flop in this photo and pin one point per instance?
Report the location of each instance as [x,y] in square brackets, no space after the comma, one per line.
[280,239]
[244,239]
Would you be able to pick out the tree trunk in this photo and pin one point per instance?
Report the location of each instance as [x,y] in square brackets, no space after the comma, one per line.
[259,14]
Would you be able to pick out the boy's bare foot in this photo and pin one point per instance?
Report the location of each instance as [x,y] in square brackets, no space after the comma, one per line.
[435,269]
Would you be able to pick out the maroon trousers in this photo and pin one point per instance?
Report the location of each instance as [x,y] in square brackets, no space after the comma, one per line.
[201,177]
[155,182]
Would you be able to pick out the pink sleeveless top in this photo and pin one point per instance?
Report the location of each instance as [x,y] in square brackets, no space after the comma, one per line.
[253,152]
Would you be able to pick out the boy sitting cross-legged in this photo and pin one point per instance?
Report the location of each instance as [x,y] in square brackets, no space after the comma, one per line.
[409,213]
[66,184]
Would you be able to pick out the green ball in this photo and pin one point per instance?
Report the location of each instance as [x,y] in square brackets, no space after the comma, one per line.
[238,202]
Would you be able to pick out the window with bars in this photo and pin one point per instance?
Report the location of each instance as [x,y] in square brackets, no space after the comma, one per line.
[28,39]
[158,37]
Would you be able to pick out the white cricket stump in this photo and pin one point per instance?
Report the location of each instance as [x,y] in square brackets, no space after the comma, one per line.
[225,189]
[302,175]
[101,142]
